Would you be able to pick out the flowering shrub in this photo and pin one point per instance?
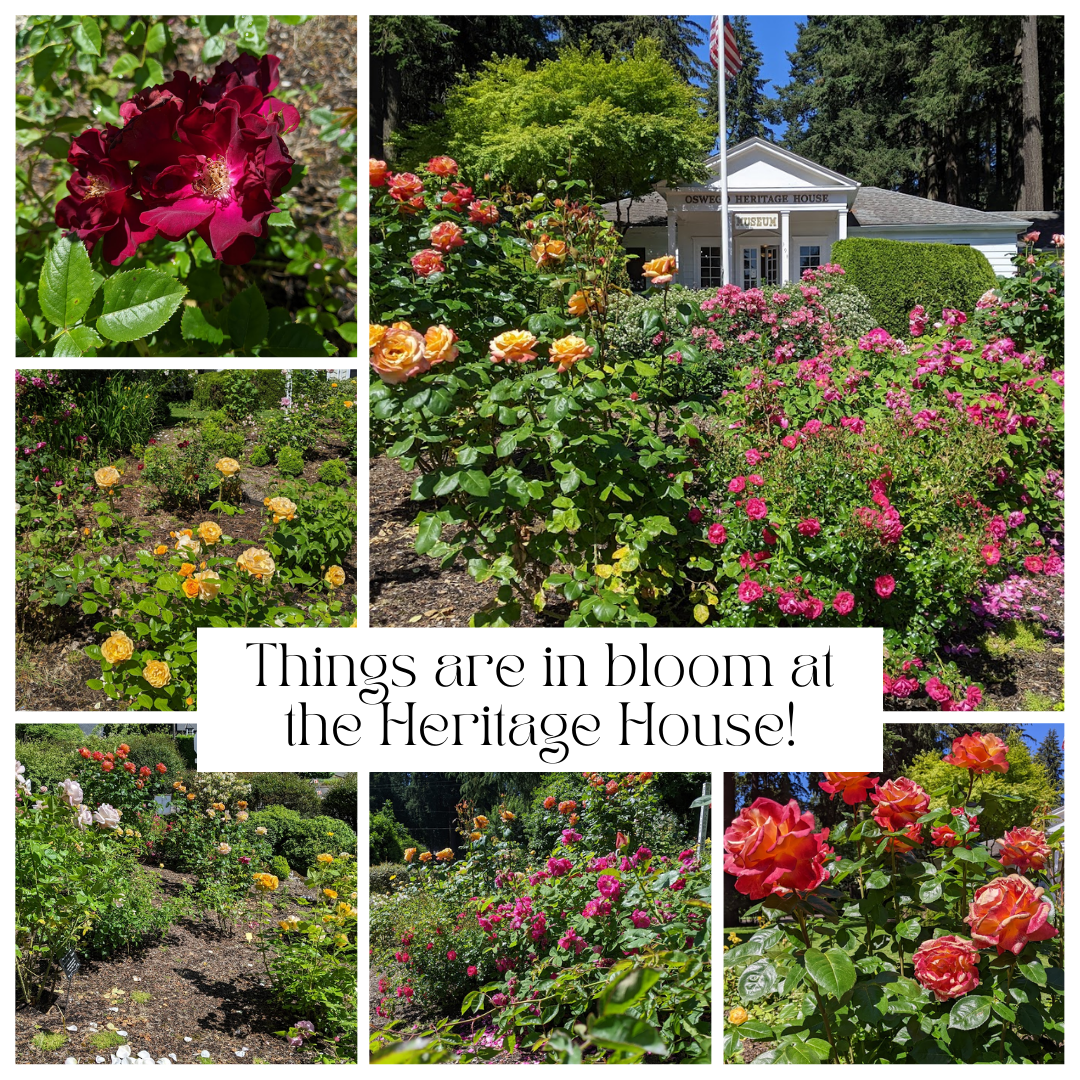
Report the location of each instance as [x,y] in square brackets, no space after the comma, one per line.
[531,950]
[846,477]
[902,935]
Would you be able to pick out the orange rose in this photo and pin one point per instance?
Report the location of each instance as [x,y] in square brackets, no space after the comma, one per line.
[160,549]
[186,570]
[549,802]
[439,345]
[852,785]
[377,172]
[567,807]
[1025,848]
[480,822]
[446,855]
[209,583]
[210,532]
[549,252]
[399,355]
[898,804]
[191,589]
[738,1016]
[443,166]
[568,351]
[979,753]
[409,853]
[447,235]
[660,271]
[375,334]
[506,815]
[475,836]
[583,302]
[425,856]
[513,345]
[949,966]
[771,848]
[1007,913]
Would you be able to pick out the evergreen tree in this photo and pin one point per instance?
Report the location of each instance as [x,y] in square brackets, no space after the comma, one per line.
[1052,758]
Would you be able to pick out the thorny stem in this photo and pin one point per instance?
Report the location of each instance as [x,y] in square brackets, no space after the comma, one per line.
[896,902]
[821,1003]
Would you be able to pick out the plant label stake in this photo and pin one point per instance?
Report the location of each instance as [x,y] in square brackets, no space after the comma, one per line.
[703,819]
[164,804]
[69,965]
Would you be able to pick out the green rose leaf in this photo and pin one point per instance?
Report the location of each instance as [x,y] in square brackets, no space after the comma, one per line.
[195,327]
[125,65]
[137,303]
[629,990]
[1034,971]
[298,339]
[67,283]
[87,36]
[929,891]
[155,38]
[246,319]
[627,1033]
[832,970]
[797,1053]
[759,979]
[969,1013]
[24,334]
[79,341]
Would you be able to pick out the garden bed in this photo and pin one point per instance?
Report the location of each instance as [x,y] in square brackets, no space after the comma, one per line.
[204,985]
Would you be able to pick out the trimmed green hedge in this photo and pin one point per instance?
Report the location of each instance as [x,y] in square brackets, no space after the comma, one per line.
[186,745]
[895,276]
[379,877]
[340,800]
[283,789]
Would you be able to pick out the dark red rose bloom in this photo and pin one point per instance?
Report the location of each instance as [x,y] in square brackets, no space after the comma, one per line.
[208,157]
[101,202]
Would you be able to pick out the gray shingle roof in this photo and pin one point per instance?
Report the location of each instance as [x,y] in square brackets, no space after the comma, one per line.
[877,206]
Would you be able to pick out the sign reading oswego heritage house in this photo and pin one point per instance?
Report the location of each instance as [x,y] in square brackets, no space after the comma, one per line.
[785,212]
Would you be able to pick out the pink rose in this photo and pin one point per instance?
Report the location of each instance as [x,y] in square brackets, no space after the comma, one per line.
[717,533]
[884,586]
[843,603]
[755,509]
[749,591]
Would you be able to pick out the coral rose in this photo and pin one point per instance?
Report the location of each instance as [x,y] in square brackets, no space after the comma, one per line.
[513,345]
[377,172]
[568,350]
[943,836]
[443,166]
[773,849]
[439,347]
[334,576]
[854,786]
[399,355]
[979,753]
[257,563]
[428,262]
[549,802]
[660,271]
[106,477]
[227,466]
[949,966]
[117,647]
[1025,848]
[898,804]
[157,673]
[1007,913]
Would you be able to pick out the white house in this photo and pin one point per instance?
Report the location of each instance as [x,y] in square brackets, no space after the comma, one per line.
[786,213]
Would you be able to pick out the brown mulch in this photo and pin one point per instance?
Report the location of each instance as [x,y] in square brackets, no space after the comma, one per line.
[413,590]
[206,985]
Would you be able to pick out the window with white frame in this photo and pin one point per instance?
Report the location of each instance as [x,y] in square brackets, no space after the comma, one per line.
[809,256]
[711,268]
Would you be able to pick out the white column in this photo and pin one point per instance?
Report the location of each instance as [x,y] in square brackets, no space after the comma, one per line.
[841,217]
[785,246]
[673,237]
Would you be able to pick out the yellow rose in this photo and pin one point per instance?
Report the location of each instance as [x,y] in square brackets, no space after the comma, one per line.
[227,466]
[568,351]
[265,882]
[334,576]
[157,673]
[241,815]
[446,855]
[210,532]
[549,252]
[209,583]
[506,815]
[426,857]
[410,852]
[329,894]
[475,836]
[160,549]
[257,562]
[282,508]
[261,830]
[106,477]
[186,546]
[348,404]
[439,346]
[375,334]
[514,345]
[738,1016]
[191,588]
[324,858]
[117,647]
[399,355]
[186,570]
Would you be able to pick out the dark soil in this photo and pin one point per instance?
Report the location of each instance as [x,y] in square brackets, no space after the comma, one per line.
[205,985]
[412,590]
[51,670]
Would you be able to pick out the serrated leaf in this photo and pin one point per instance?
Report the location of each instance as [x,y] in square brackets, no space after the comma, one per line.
[282,217]
[298,339]
[45,63]
[67,283]
[195,327]
[246,319]
[125,65]
[213,49]
[832,970]
[24,335]
[155,38]
[969,1013]
[77,341]
[348,331]
[138,302]
[87,35]
[759,979]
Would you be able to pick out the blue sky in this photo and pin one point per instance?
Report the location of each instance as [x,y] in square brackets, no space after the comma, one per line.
[775,37]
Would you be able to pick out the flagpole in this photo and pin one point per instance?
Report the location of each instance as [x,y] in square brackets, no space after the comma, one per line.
[725,225]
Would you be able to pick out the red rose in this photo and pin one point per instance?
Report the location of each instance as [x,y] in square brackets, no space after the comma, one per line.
[949,966]
[471,971]
[1007,913]
[161,768]
[129,766]
[145,770]
[979,753]
[483,212]
[83,752]
[458,197]
[97,755]
[854,786]
[773,849]
[1025,848]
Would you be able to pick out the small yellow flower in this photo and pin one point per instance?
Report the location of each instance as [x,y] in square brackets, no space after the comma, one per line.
[324,858]
[329,894]
[335,576]
[160,549]
[265,882]
[738,1016]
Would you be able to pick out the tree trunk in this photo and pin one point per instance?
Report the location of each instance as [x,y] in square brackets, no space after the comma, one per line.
[1031,190]
[385,109]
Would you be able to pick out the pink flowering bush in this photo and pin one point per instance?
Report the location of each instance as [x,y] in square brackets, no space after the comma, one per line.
[903,934]
[529,944]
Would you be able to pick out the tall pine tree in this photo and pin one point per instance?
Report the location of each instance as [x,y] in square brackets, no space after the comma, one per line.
[1052,758]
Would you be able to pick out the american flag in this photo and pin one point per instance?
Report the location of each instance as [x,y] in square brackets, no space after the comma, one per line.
[732,60]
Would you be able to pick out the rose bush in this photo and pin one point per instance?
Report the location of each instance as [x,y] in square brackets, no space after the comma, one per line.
[531,945]
[844,480]
[902,935]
